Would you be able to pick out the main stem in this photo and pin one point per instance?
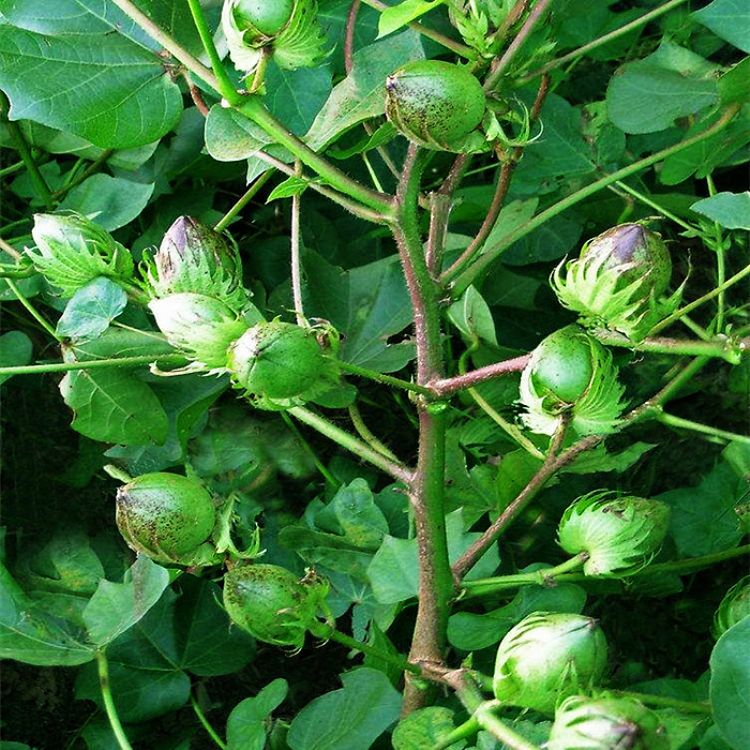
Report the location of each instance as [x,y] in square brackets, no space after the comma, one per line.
[427,488]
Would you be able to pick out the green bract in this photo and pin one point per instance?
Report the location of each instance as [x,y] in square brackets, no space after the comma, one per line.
[288,28]
[571,375]
[436,104]
[167,517]
[735,606]
[547,657]
[202,327]
[606,724]
[193,258]
[277,362]
[272,604]
[620,534]
[72,251]
[618,281]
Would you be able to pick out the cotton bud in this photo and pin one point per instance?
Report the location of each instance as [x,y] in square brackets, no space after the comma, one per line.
[620,534]
[734,607]
[71,251]
[547,657]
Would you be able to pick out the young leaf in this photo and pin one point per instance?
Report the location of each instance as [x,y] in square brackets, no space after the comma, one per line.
[91,309]
[247,725]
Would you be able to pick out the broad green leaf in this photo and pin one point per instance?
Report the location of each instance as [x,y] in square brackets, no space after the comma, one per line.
[116,607]
[247,724]
[551,241]
[730,210]
[648,95]
[29,635]
[512,216]
[712,740]
[472,316]
[397,16]
[425,728]
[730,685]
[352,513]
[734,85]
[15,349]
[100,86]
[361,95]
[729,19]
[351,718]
[601,460]
[112,202]
[91,309]
[232,137]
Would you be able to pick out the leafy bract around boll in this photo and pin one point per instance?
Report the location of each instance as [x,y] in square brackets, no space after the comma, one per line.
[606,723]
[193,258]
[71,251]
[272,604]
[619,533]
[735,606]
[287,29]
[571,376]
[547,657]
[619,281]
[168,517]
[201,327]
[436,104]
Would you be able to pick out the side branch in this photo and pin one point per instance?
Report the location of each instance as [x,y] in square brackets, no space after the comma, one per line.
[446,386]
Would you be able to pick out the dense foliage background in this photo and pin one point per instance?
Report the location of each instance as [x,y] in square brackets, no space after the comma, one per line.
[99,120]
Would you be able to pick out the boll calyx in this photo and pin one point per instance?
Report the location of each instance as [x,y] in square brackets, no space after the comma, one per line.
[735,606]
[436,104]
[273,604]
[202,327]
[619,533]
[547,657]
[71,251]
[571,376]
[606,723]
[619,281]
[168,517]
[287,29]
[193,258]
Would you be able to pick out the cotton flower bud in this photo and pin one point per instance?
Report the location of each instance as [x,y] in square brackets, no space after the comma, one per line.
[71,251]
[167,517]
[619,281]
[289,29]
[547,657]
[620,534]
[571,376]
[272,604]
[202,327]
[607,723]
[734,607]
[436,104]
[193,258]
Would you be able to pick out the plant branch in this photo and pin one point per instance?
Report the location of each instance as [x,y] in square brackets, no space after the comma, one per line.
[688,424]
[244,199]
[467,277]
[93,364]
[447,386]
[295,260]
[367,435]
[380,377]
[43,322]
[206,724]
[109,704]
[349,442]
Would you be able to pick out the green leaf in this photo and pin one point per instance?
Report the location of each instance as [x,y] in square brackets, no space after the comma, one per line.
[351,718]
[247,724]
[91,309]
[15,349]
[729,210]
[116,607]
[729,19]
[425,728]
[601,460]
[392,19]
[290,187]
[112,202]
[361,95]
[101,86]
[730,685]
[472,316]
[648,95]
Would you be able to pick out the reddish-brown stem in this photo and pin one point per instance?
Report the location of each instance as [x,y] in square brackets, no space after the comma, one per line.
[515,13]
[446,386]
[351,20]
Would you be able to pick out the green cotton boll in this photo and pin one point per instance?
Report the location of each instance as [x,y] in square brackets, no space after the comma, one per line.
[571,376]
[619,281]
[435,104]
[735,606]
[193,258]
[201,327]
[547,657]
[167,517]
[620,534]
[606,723]
[288,29]
[272,604]
[71,251]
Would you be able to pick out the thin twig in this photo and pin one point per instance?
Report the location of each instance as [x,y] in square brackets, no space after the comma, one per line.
[296,265]
[10,250]
[446,386]
[243,200]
